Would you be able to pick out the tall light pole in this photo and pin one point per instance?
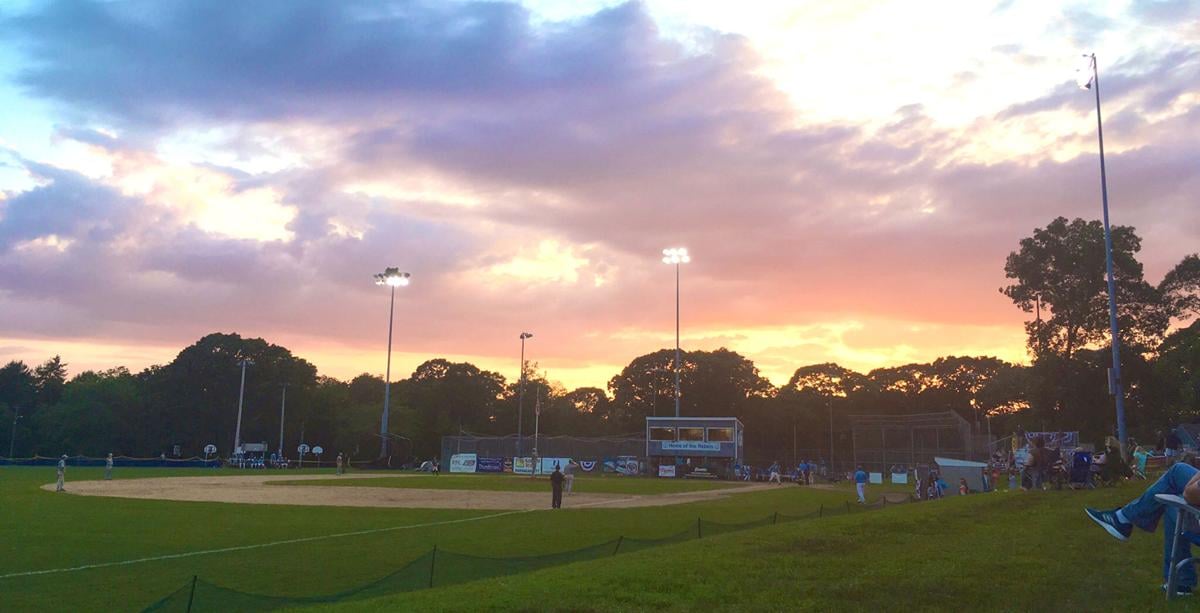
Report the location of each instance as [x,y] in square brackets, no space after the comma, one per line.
[393,278]
[237,434]
[676,256]
[12,439]
[282,414]
[1115,384]
[521,394]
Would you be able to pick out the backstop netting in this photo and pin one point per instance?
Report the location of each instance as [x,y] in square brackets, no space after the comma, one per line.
[882,441]
[576,447]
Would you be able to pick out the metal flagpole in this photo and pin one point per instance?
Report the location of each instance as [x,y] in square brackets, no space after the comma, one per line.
[1115,384]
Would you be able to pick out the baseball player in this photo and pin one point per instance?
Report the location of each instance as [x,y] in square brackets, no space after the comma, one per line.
[569,475]
[339,463]
[62,472]
[774,471]
[108,468]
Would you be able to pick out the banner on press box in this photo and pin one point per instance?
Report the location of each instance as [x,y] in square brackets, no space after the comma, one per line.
[489,465]
[690,446]
[462,463]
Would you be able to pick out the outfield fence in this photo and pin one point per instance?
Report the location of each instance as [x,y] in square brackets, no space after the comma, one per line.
[439,567]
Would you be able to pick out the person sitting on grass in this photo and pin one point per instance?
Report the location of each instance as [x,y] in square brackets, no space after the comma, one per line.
[1146,510]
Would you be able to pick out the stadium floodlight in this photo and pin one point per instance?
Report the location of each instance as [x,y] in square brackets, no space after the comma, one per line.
[393,278]
[676,256]
[1090,79]
[237,433]
[521,394]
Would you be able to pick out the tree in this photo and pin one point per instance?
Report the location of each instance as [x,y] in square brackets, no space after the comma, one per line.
[1061,269]
[447,397]
[50,377]
[1181,287]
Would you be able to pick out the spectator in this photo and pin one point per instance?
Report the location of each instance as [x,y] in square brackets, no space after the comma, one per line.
[1146,510]
[1038,463]
[963,488]
[1171,447]
[860,484]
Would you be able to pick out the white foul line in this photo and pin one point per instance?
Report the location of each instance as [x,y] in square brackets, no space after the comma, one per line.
[260,545]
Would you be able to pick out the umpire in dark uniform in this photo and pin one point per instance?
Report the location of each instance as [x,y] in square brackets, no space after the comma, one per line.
[556,486]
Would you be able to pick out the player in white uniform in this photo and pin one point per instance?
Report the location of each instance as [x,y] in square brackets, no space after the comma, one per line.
[62,472]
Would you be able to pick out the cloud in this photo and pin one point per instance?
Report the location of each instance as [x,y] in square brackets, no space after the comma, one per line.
[529,171]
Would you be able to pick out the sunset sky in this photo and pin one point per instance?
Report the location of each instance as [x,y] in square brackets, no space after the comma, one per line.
[848,176]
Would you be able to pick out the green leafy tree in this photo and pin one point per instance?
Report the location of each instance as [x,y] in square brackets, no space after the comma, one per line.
[1060,270]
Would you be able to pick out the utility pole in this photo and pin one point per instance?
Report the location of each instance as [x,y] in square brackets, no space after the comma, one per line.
[237,434]
[282,414]
[12,440]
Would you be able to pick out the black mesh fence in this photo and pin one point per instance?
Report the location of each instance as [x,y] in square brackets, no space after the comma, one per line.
[439,567]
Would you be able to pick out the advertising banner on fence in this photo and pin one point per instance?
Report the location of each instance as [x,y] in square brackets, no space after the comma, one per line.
[462,463]
[899,477]
[623,465]
[508,465]
[489,465]
[666,470]
[548,465]
[522,466]
[876,477]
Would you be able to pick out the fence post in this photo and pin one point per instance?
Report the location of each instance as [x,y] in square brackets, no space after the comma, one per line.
[699,531]
[192,594]
[618,547]
[821,511]
[432,563]
[776,518]
[847,506]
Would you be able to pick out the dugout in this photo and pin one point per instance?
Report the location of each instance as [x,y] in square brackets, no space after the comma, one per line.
[711,442]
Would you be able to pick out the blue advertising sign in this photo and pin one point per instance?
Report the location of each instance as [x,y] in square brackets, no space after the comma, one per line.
[489,465]
[690,446]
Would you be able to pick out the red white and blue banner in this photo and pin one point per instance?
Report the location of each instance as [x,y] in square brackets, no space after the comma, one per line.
[588,465]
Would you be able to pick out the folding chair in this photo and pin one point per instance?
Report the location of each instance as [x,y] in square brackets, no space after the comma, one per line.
[1187,530]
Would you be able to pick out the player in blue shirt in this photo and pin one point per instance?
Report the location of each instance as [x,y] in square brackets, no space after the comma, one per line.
[860,483]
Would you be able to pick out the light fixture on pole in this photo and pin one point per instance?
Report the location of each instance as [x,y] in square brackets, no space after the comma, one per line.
[676,256]
[521,394]
[1092,80]
[237,433]
[393,278]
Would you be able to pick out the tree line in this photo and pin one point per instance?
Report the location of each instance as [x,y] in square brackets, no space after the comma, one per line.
[1057,276]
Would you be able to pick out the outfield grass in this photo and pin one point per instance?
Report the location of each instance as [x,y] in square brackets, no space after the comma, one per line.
[635,486]
[41,530]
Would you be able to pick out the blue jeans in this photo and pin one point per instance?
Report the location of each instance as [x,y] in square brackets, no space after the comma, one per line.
[1146,511]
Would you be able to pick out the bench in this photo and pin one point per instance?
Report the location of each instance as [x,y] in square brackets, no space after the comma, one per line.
[1187,528]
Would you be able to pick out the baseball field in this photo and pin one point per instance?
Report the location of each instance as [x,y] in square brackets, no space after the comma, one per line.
[120,546]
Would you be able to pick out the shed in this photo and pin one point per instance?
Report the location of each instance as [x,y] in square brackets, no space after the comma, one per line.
[952,470]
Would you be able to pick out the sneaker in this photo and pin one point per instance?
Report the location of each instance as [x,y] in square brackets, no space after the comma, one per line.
[1180,590]
[1108,520]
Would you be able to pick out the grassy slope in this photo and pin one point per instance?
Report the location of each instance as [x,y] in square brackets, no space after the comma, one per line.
[509,483]
[43,530]
[1032,551]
